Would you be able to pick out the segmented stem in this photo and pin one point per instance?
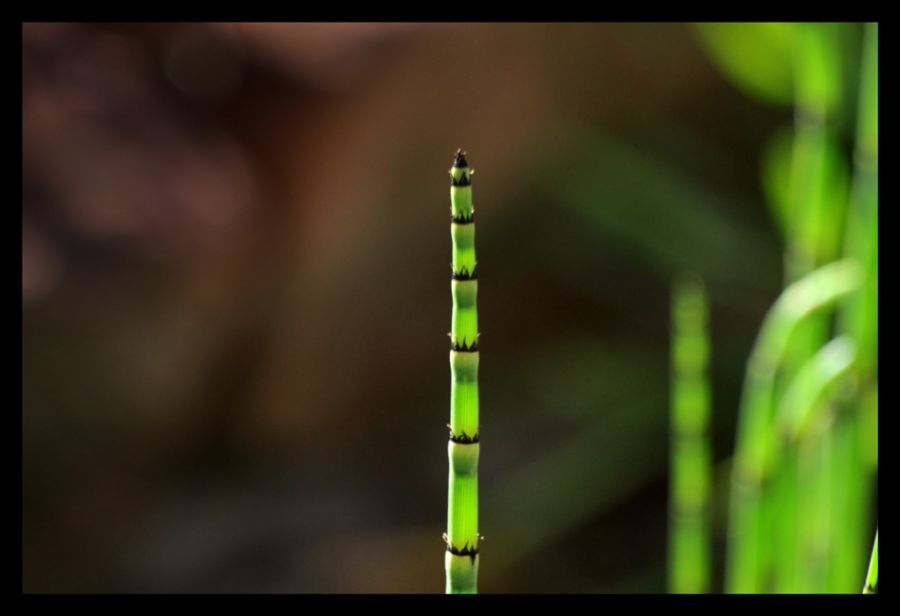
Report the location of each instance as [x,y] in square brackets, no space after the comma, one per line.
[462,538]
[691,459]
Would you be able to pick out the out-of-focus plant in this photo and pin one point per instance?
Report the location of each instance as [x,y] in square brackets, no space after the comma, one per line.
[691,459]
[802,483]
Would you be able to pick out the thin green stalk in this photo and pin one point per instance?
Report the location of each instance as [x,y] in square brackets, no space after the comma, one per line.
[871,586]
[813,505]
[859,317]
[783,530]
[815,218]
[851,483]
[804,420]
[756,437]
[856,451]
[462,538]
[691,463]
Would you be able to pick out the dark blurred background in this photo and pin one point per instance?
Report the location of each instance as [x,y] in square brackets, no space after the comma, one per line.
[235,295]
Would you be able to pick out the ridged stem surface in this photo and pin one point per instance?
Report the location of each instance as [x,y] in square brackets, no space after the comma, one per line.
[462,538]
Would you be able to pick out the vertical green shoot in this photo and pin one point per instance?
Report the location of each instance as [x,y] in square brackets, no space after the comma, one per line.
[757,439]
[855,434]
[462,538]
[871,586]
[816,215]
[859,317]
[804,420]
[690,464]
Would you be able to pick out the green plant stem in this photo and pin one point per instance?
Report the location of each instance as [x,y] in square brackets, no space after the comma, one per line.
[814,515]
[816,215]
[804,420]
[757,439]
[462,538]
[855,434]
[691,463]
[859,317]
[871,586]
[850,482]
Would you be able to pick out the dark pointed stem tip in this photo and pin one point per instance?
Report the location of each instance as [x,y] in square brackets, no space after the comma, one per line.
[460,159]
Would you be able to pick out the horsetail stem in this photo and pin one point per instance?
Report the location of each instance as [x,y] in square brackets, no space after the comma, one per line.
[815,218]
[689,560]
[757,442]
[859,318]
[461,559]
[871,586]
[805,420]
[855,465]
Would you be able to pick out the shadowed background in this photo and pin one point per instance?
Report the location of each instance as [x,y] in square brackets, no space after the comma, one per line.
[235,284]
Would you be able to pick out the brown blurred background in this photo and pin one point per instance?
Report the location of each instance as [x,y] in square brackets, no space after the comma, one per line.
[235,293]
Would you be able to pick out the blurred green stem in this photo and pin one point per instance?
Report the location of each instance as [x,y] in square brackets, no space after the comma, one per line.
[859,317]
[815,219]
[803,422]
[691,464]
[757,440]
[855,434]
